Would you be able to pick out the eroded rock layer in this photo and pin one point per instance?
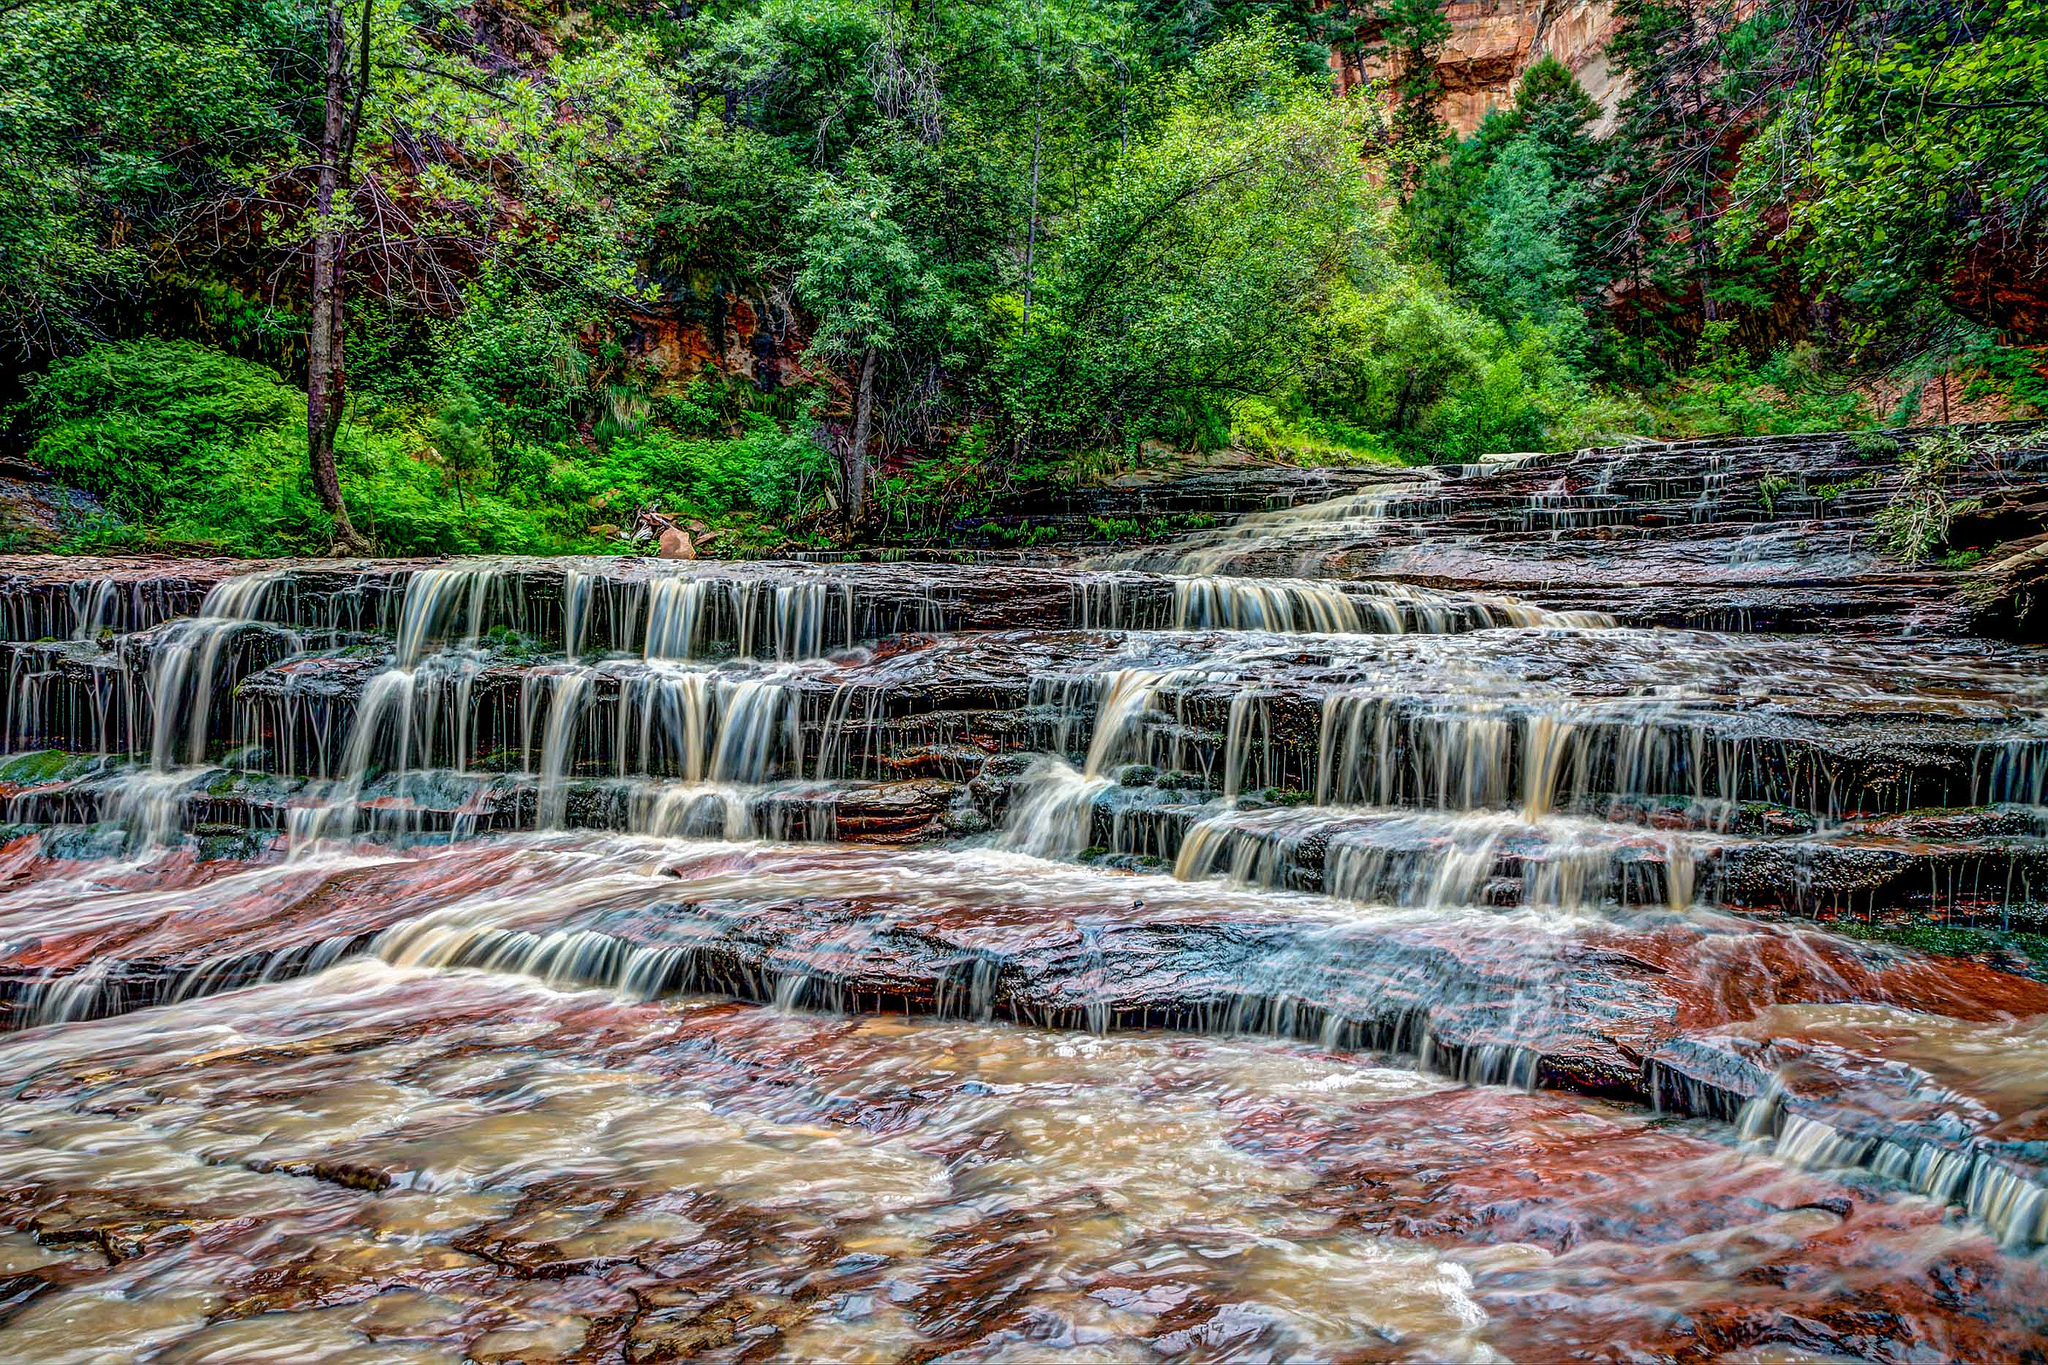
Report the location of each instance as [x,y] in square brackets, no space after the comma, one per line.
[1584,906]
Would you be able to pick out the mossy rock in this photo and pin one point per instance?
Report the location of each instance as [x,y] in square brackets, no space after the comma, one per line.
[48,765]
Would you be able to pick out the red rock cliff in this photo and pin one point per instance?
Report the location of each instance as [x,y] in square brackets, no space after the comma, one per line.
[1493,42]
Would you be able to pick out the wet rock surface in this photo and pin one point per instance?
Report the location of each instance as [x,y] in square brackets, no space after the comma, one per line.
[1410,915]
[395,1164]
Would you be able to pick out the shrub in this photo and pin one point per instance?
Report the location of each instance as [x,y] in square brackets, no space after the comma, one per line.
[133,420]
[765,470]
[1915,523]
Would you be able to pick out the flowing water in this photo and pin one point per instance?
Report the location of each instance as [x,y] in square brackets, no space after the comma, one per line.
[1235,951]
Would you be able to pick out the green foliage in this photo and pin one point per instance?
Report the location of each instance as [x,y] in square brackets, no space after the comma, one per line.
[129,420]
[1304,437]
[515,353]
[871,277]
[1438,380]
[765,471]
[194,448]
[1773,486]
[1411,34]
[1923,137]
[1519,260]
[115,115]
[1915,523]
[1725,394]
[1026,242]
[1186,281]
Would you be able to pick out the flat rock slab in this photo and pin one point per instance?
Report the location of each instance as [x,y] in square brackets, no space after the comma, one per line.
[977,934]
[385,1165]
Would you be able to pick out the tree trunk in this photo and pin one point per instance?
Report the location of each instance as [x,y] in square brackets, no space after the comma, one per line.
[854,467]
[324,374]
[1037,145]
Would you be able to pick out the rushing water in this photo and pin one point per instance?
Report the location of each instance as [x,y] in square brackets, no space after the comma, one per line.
[522,960]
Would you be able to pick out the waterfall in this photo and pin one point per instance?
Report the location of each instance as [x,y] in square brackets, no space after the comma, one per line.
[918,895]
[92,603]
[1288,531]
[1211,602]
[181,673]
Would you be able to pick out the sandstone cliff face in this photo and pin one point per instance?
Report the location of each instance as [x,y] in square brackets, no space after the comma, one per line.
[736,327]
[1493,42]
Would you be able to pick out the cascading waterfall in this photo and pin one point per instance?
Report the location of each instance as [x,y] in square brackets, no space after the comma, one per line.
[182,691]
[1055,807]
[766,619]
[1504,773]
[1198,817]
[1308,607]
[92,606]
[1411,859]
[181,673]
[395,727]
[1290,531]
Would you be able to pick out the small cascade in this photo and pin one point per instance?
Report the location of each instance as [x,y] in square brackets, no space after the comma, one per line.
[2011,1201]
[441,601]
[93,603]
[1305,606]
[150,805]
[763,619]
[1055,808]
[1482,754]
[568,702]
[1413,860]
[182,669]
[1291,534]
[190,669]
[398,727]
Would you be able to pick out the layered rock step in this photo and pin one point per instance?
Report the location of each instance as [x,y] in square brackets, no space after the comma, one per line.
[1535,717]
[1764,534]
[53,788]
[1174,732]
[1624,1006]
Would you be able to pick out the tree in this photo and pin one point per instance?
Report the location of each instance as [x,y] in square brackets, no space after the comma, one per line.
[417,147]
[116,118]
[345,85]
[1410,36]
[1554,109]
[338,151]
[1502,215]
[1186,279]
[1911,165]
[1519,261]
[873,294]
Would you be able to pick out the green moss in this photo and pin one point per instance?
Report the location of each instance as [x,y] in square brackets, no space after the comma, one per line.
[1828,492]
[45,765]
[2023,953]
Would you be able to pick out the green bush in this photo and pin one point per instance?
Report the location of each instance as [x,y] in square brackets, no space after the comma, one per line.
[766,471]
[518,354]
[133,420]
[1402,366]
[195,449]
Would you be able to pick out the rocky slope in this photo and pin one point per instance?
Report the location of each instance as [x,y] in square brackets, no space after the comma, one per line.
[1417,915]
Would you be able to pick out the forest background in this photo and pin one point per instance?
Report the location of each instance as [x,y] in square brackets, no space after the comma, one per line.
[280,276]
